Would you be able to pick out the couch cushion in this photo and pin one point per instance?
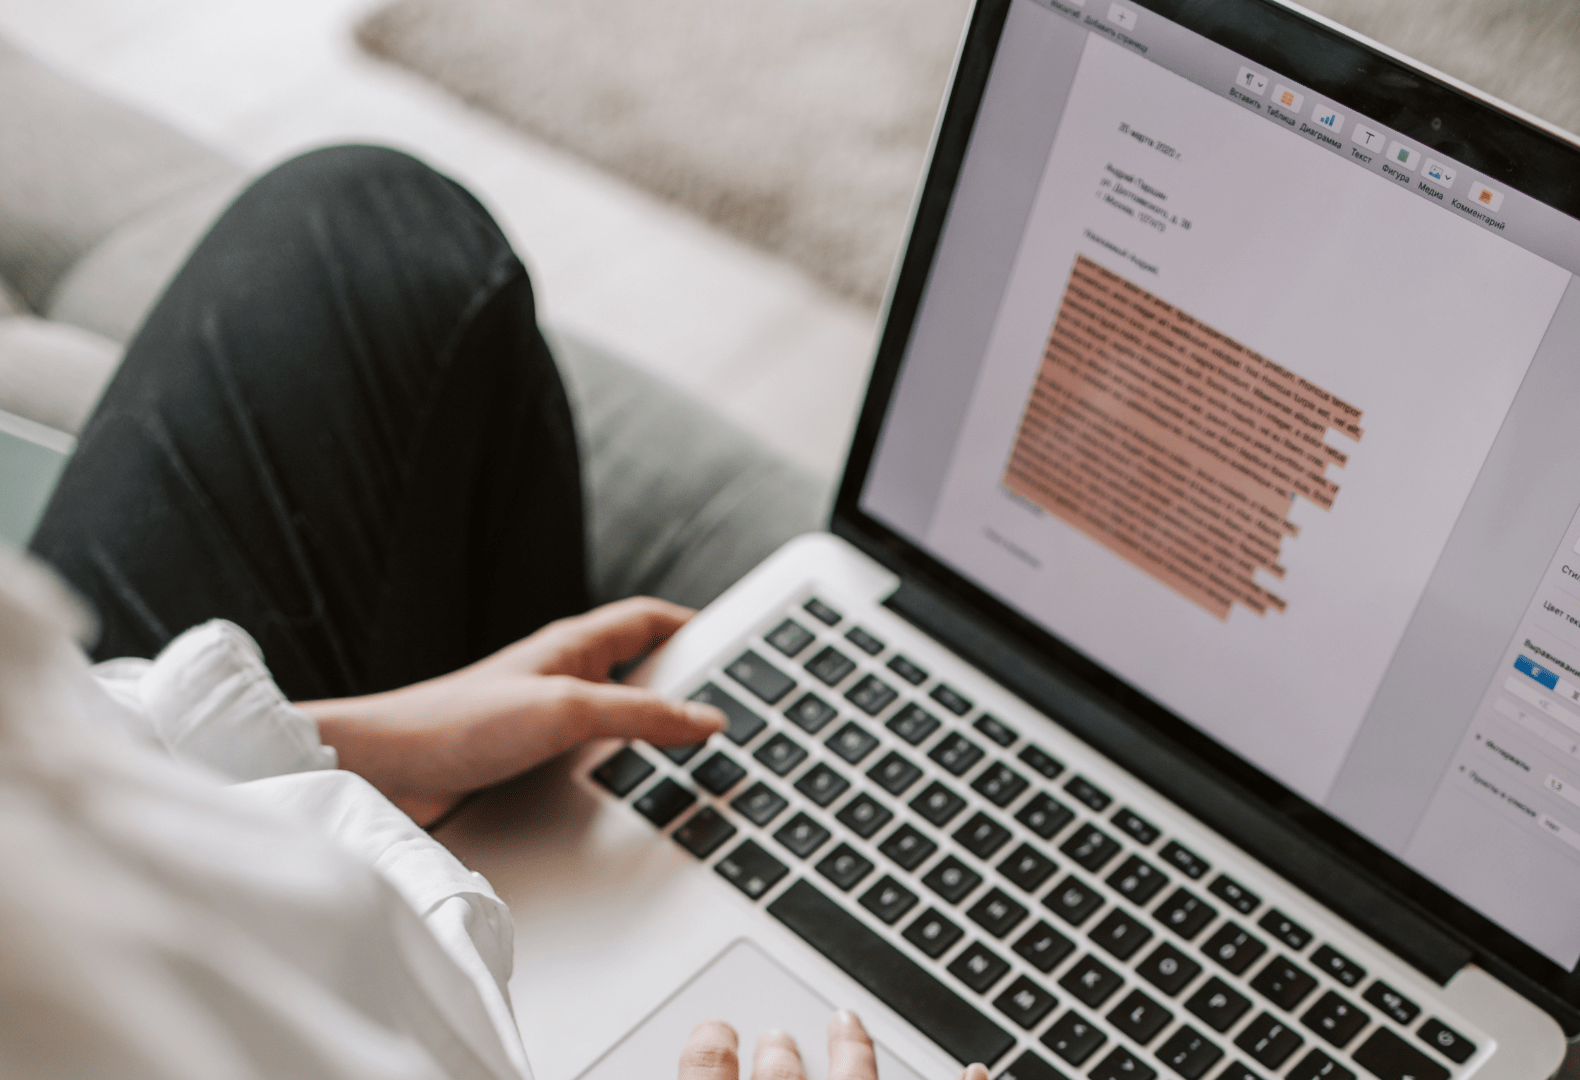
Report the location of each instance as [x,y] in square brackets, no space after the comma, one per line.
[73,166]
[52,374]
[681,503]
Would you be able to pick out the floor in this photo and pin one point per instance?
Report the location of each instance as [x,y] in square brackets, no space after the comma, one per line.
[264,79]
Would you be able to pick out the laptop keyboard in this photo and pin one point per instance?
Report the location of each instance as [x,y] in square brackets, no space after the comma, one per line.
[1008,907]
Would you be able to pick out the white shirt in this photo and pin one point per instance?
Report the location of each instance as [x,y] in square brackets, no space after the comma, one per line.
[189,888]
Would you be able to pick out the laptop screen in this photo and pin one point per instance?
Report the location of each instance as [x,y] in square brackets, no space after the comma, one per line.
[1267,405]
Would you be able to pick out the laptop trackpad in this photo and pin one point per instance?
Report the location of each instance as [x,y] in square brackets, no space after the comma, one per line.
[747,990]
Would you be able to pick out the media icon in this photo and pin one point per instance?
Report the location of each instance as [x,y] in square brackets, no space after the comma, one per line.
[1483,196]
[1436,170]
[1370,138]
[1329,118]
[1121,16]
[1285,98]
[1250,80]
[1400,154]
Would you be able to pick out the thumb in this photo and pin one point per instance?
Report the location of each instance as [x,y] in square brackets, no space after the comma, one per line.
[631,712]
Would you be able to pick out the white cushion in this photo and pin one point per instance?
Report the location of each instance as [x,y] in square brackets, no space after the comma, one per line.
[52,373]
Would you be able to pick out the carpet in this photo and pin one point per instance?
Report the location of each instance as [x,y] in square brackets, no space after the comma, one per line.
[802,127]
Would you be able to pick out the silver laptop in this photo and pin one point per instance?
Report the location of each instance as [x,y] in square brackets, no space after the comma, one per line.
[1189,683]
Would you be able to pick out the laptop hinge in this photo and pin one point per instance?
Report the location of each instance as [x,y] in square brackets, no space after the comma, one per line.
[1172,770]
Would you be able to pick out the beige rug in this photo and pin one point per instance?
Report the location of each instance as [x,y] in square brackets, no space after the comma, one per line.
[802,127]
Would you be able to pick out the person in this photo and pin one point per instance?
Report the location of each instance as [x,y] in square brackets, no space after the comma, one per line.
[339,442]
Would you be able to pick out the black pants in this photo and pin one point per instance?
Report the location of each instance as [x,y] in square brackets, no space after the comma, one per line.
[341,430]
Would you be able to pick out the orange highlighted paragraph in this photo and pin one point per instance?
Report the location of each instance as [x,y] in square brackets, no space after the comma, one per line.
[1175,447]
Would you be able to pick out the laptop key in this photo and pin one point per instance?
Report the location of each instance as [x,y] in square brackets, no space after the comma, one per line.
[1184,860]
[997,913]
[996,729]
[1091,847]
[663,802]
[622,772]
[864,641]
[956,753]
[1024,1002]
[704,832]
[952,879]
[1269,1041]
[1073,900]
[1091,981]
[760,677]
[937,804]
[759,804]
[1239,1071]
[1043,947]
[751,869]
[1233,948]
[822,612]
[1219,1004]
[844,867]
[821,784]
[718,774]
[913,724]
[802,835]
[888,900]
[981,835]
[790,637]
[1120,934]
[893,773]
[745,725]
[1168,969]
[682,754]
[1088,794]
[1189,1053]
[1184,914]
[1402,1009]
[830,665]
[908,847]
[1073,1037]
[1335,1019]
[933,933]
[1288,931]
[864,816]
[1446,1041]
[891,976]
[951,699]
[1336,964]
[1027,868]
[907,670]
[1030,1067]
[1234,894]
[1318,1066]
[1040,761]
[1137,880]
[780,754]
[1139,1017]
[1121,1064]
[852,742]
[1045,815]
[979,967]
[1139,828]
[811,713]
[871,695]
[1391,1058]
[1283,983]
[999,784]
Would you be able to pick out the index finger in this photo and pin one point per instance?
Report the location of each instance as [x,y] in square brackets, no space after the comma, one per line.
[850,1052]
[711,1053]
[587,646]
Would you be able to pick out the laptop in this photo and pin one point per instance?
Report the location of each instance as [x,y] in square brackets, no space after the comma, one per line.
[1188,685]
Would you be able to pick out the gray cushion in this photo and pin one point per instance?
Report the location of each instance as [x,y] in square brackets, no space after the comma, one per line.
[681,503]
[53,374]
[75,165]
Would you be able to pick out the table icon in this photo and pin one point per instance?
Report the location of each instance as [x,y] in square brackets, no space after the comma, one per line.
[1286,98]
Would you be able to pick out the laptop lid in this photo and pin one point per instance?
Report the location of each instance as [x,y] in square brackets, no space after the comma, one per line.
[1229,381]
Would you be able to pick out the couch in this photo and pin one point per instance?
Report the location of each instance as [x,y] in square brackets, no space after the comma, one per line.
[99,205]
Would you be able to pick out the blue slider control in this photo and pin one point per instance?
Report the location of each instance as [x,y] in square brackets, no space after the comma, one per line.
[1536,671]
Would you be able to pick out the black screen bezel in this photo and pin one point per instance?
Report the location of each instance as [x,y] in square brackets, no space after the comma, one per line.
[1434,113]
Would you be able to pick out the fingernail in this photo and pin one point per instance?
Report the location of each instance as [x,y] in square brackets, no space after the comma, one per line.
[848,1018]
[705,716]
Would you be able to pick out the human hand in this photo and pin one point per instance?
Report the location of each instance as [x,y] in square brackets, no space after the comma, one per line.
[426,745]
[712,1054]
